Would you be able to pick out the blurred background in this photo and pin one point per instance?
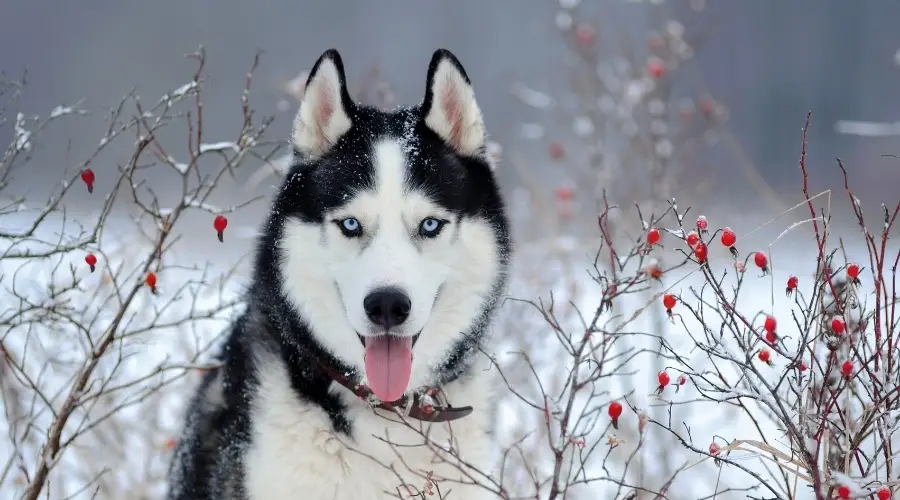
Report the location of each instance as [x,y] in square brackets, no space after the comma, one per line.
[700,100]
[763,63]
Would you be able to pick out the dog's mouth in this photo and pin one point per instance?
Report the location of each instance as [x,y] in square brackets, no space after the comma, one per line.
[388,361]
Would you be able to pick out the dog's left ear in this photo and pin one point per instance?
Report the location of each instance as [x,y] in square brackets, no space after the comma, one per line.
[449,107]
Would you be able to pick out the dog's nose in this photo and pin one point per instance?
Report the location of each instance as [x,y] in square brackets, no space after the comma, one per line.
[387,307]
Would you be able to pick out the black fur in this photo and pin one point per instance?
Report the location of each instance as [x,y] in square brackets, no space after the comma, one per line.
[208,461]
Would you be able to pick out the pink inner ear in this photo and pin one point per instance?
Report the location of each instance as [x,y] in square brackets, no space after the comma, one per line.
[452,107]
[323,112]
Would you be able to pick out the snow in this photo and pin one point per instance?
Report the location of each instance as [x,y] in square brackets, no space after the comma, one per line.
[23,136]
[219,146]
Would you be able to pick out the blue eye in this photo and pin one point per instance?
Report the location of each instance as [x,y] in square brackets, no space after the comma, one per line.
[350,227]
[431,227]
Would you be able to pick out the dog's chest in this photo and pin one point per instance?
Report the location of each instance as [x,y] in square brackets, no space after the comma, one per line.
[296,453]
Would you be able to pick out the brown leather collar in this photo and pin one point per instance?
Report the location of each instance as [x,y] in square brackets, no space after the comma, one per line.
[420,407]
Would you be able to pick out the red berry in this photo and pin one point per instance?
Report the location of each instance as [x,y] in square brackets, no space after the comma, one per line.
[565,193]
[682,380]
[556,150]
[884,494]
[843,492]
[714,449]
[791,285]
[700,251]
[771,337]
[91,260]
[669,301]
[770,324]
[663,378]
[87,176]
[702,223]
[853,271]
[803,366]
[693,238]
[761,260]
[615,410]
[653,236]
[656,68]
[837,326]
[847,368]
[151,281]
[219,224]
[728,237]
[707,105]
[585,35]
[765,355]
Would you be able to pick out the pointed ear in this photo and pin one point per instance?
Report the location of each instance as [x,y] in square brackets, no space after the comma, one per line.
[449,107]
[325,110]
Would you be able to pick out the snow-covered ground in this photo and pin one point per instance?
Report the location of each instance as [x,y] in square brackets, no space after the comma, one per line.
[167,334]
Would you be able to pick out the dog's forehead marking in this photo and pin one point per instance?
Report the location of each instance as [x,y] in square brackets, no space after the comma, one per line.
[390,162]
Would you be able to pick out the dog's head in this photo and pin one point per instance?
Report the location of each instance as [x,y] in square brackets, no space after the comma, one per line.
[393,242]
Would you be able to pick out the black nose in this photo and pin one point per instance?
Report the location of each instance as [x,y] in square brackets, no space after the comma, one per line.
[387,307]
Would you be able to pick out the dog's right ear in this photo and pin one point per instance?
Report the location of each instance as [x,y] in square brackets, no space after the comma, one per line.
[324,114]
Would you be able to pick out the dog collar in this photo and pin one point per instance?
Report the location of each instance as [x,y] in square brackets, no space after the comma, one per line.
[418,406]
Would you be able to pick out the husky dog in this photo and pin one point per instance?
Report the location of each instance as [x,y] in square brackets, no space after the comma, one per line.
[357,370]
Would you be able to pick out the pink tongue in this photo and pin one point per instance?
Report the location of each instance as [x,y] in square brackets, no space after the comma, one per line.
[388,365]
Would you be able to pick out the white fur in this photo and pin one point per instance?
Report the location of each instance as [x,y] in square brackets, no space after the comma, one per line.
[322,119]
[454,113]
[295,453]
[294,450]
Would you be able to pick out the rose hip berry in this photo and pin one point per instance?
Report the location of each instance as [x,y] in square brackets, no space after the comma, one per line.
[843,492]
[653,236]
[728,240]
[564,193]
[770,324]
[585,35]
[791,285]
[150,280]
[838,326]
[765,356]
[884,494]
[702,224]
[714,449]
[663,378]
[615,411]
[556,150]
[847,368]
[656,69]
[762,262]
[91,260]
[681,381]
[700,252]
[771,337]
[219,224]
[692,239]
[853,273]
[669,303]
[87,176]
